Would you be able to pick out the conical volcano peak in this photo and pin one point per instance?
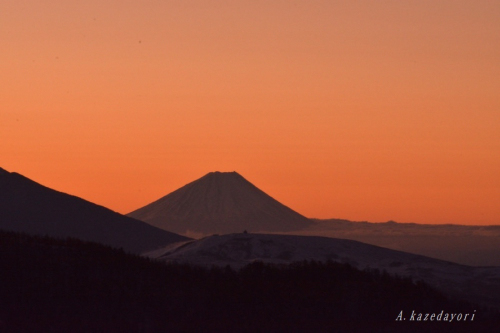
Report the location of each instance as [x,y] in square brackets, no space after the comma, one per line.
[224,174]
[222,182]
[220,202]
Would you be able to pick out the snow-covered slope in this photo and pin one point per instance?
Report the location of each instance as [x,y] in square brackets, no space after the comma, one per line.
[476,283]
[220,202]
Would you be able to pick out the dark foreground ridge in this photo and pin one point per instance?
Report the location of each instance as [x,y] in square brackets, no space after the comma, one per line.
[476,284]
[220,202]
[50,285]
[27,206]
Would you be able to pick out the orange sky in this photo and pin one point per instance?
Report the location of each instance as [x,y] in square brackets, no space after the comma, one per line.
[364,110]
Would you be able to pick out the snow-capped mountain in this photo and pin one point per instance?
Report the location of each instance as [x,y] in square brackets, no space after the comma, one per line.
[220,202]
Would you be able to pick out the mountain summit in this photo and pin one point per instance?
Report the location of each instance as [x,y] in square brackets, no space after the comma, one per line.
[220,202]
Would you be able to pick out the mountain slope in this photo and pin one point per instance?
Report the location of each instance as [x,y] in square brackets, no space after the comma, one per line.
[26,206]
[62,286]
[478,284]
[220,202]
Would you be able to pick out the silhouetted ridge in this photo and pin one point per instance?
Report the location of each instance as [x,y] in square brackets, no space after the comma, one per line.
[27,206]
[62,286]
[220,202]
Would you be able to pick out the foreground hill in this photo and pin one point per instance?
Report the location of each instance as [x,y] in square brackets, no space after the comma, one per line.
[220,202]
[57,286]
[479,284]
[27,206]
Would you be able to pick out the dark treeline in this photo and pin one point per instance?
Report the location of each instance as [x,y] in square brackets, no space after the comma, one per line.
[49,285]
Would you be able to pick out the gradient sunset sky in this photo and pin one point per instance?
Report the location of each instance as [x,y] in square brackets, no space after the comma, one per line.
[364,110]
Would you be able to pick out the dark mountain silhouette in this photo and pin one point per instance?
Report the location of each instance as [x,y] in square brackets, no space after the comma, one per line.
[477,284]
[61,286]
[26,206]
[220,202]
